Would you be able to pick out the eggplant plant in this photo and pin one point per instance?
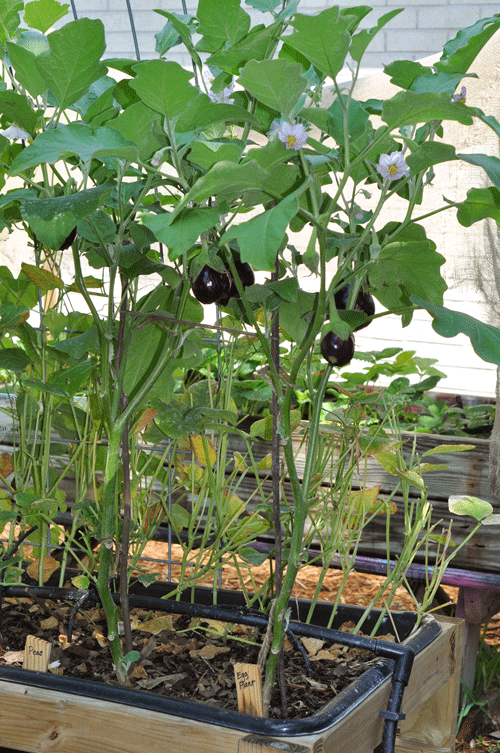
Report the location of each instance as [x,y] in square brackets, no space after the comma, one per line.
[162,189]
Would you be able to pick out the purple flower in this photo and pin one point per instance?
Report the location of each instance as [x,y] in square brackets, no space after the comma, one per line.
[392,166]
[461,97]
[294,136]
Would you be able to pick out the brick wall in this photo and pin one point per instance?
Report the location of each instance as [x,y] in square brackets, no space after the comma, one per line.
[420,30]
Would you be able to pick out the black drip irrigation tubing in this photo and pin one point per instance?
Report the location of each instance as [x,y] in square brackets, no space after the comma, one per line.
[398,668]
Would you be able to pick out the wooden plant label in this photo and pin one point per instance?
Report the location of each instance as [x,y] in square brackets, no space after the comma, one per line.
[249,688]
[36,654]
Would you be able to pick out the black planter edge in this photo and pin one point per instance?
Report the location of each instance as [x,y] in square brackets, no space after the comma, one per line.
[389,665]
[395,662]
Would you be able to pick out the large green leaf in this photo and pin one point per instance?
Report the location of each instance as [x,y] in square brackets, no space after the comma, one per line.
[221,23]
[181,234]
[200,112]
[260,238]
[226,180]
[323,39]
[75,138]
[53,219]
[395,268]
[164,86]
[430,153]
[480,203]
[459,53]
[42,14]
[484,338]
[411,108]
[73,62]
[275,83]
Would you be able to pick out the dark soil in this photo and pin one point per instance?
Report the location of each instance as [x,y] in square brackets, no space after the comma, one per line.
[183,657]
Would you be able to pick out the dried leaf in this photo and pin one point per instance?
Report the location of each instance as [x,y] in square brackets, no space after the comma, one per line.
[100,638]
[209,651]
[138,673]
[312,645]
[144,420]
[50,565]
[49,623]
[13,657]
[6,465]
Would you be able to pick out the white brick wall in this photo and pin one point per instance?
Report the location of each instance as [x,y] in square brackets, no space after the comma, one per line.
[422,28]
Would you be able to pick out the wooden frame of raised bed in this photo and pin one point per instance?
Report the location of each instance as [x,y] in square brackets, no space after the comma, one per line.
[34,719]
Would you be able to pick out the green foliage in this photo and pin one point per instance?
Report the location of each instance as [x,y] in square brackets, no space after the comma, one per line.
[165,172]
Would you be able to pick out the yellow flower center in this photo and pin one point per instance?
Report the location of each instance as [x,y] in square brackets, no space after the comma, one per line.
[291,141]
[393,169]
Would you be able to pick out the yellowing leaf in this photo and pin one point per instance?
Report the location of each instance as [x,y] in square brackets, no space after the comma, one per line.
[203,450]
[388,460]
[265,463]
[448,448]
[239,462]
[157,624]
[233,505]
[50,622]
[43,278]
[427,467]
[413,477]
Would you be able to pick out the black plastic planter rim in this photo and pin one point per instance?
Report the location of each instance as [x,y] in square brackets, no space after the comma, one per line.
[336,710]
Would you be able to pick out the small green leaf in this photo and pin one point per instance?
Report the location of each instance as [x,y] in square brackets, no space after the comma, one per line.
[24,63]
[362,39]
[480,203]
[9,17]
[467,505]
[221,23]
[14,359]
[323,39]
[439,449]
[16,108]
[276,83]
[42,14]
